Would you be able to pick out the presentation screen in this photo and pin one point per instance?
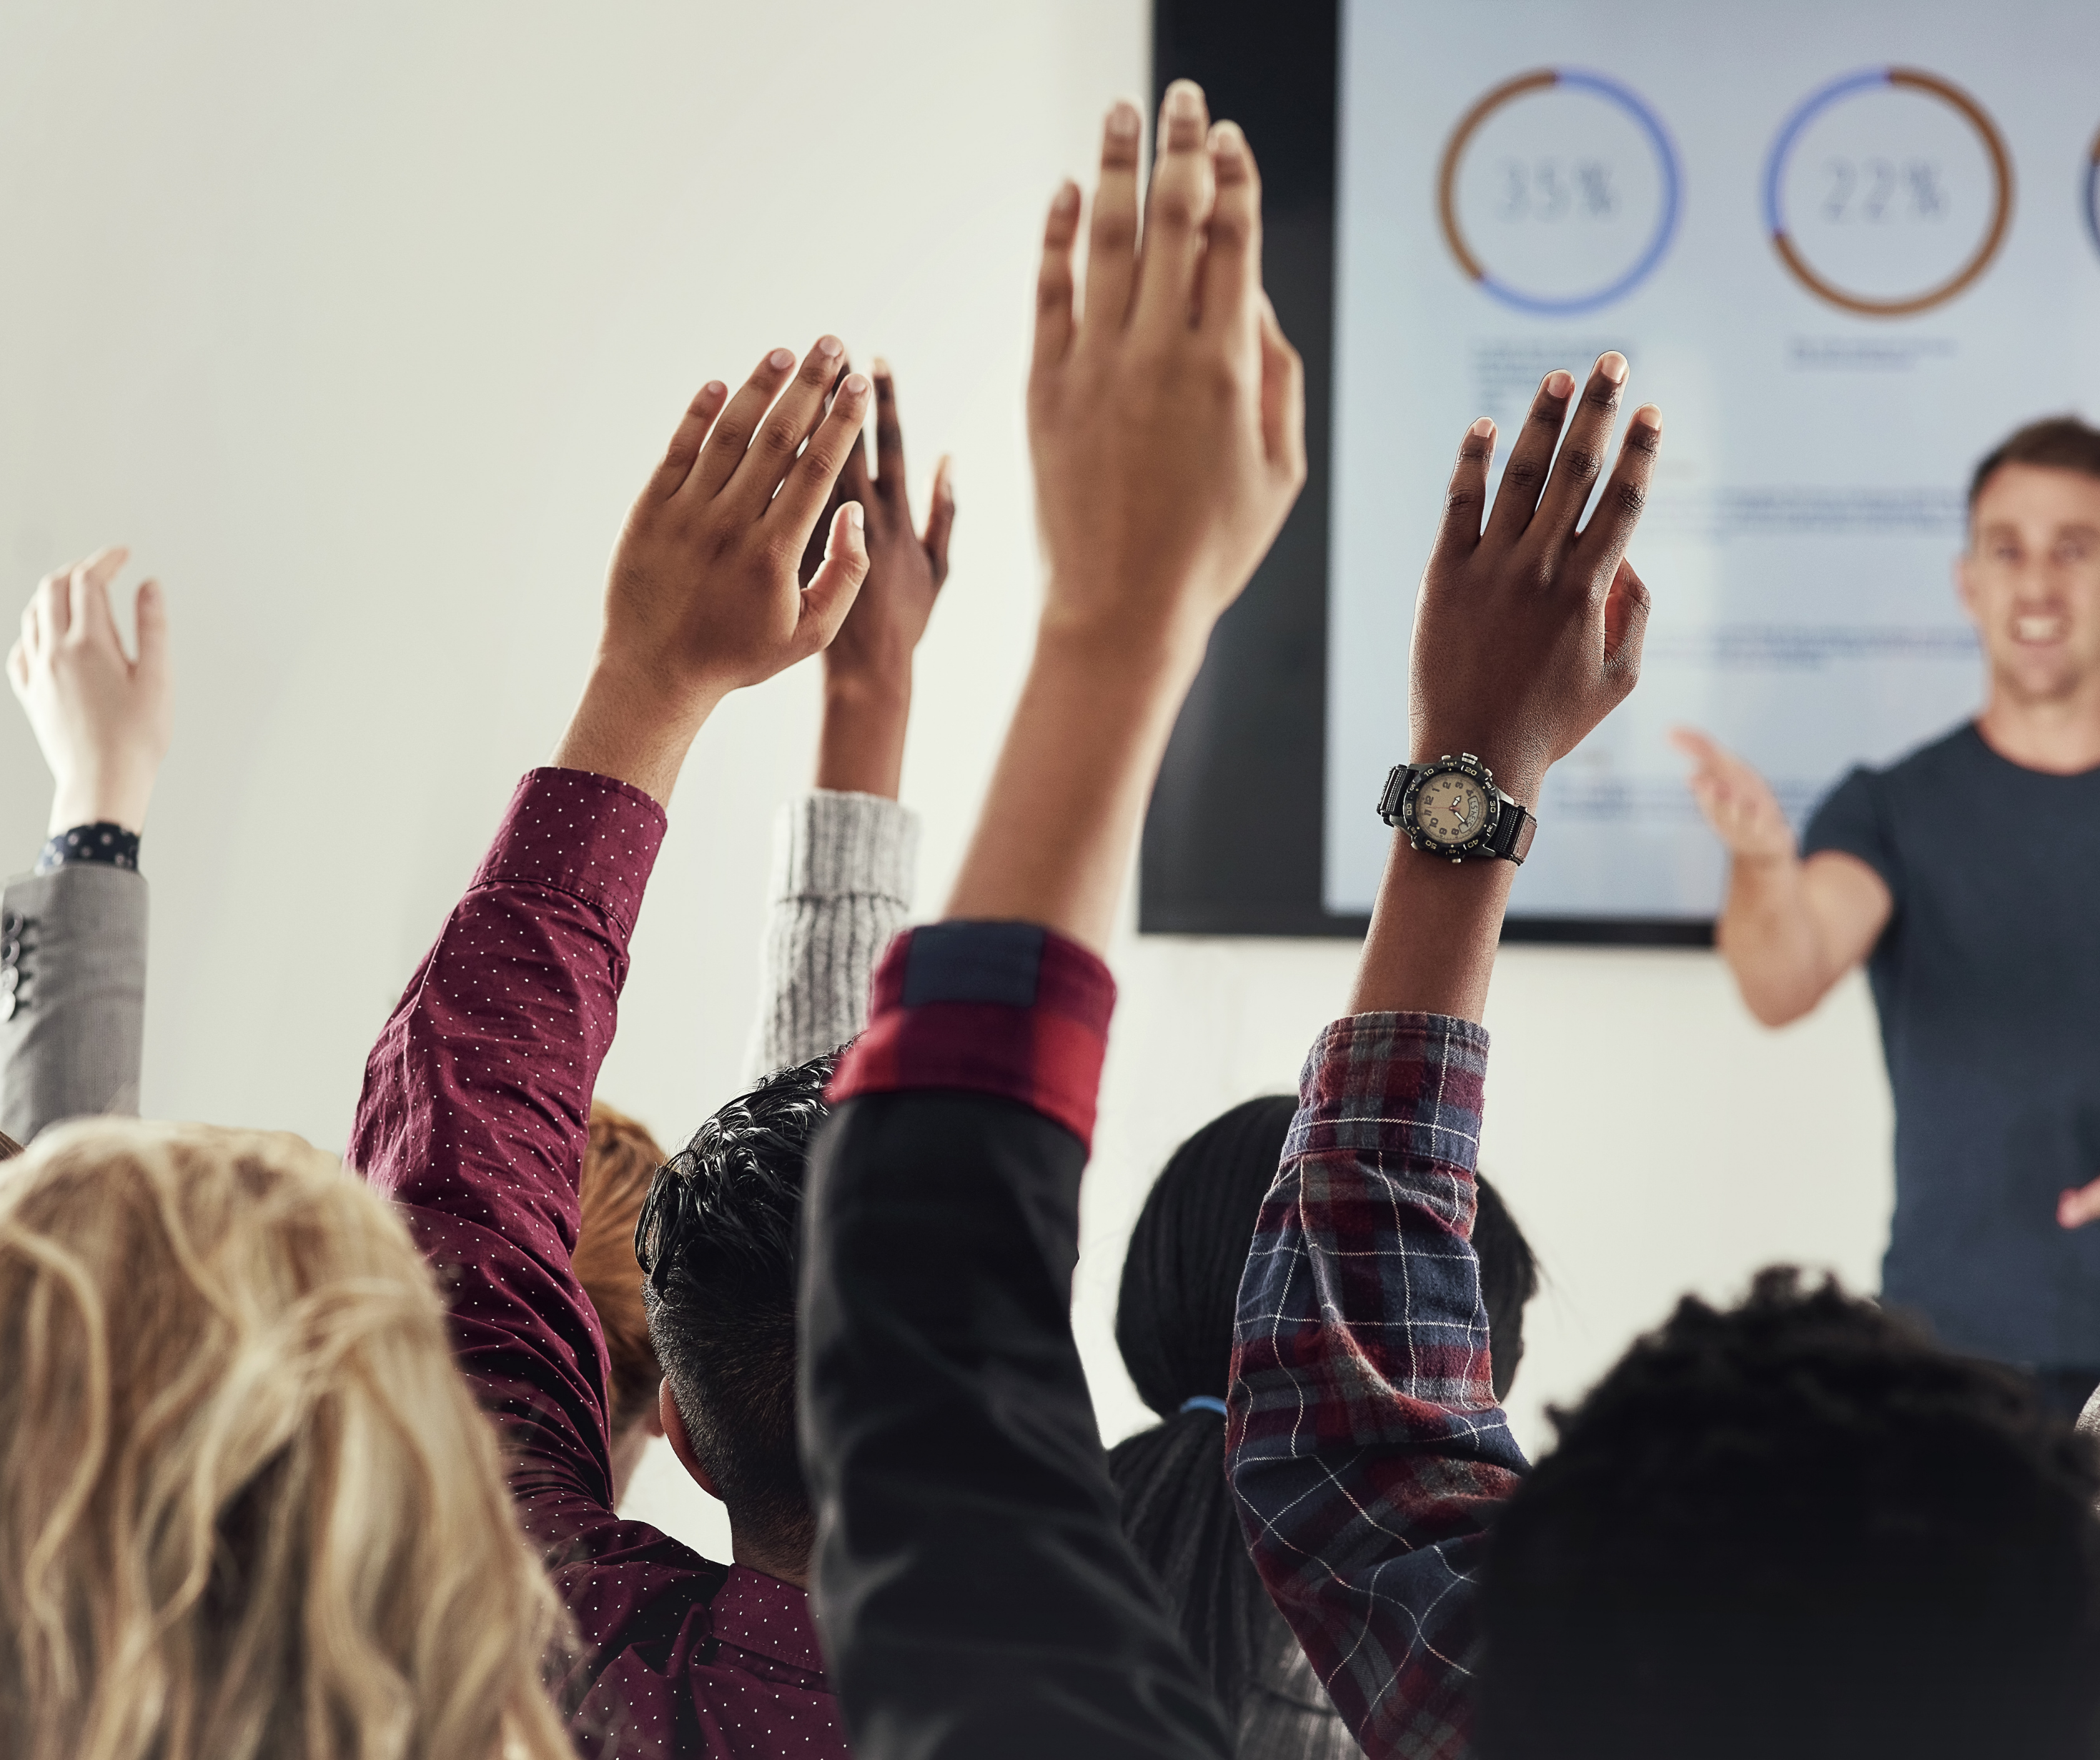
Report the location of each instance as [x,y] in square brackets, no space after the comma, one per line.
[1847,249]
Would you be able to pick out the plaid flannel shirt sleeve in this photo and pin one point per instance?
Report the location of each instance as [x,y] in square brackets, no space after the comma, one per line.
[1365,1446]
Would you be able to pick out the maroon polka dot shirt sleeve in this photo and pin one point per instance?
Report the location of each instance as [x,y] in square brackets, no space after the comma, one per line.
[474,1118]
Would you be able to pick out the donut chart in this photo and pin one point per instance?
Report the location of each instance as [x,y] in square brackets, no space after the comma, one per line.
[1819,106]
[1661,184]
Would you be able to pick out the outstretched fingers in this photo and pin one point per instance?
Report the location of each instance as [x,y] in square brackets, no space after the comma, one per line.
[1055,319]
[686,440]
[730,437]
[1580,461]
[1232,248]
[1282,398]
[88,587]
[1610,528]
[1111,237]
[801,498]
[1531,458]
[1177,211]
[889,442]
[1458,532]
[798,415]
[150,619]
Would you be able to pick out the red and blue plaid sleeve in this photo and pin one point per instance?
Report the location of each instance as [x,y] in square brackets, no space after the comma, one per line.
[998,1008]
[1364,1445]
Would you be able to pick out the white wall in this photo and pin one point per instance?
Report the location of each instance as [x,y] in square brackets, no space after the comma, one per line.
[361,325]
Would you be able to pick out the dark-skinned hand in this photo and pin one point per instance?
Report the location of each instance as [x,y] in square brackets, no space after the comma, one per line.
[1527,633]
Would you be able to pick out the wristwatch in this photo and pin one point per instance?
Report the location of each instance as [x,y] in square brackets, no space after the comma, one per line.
[1452,808]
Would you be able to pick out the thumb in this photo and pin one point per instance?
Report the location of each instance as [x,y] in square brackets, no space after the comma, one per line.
[1625,625]
[150,612]
[835,585]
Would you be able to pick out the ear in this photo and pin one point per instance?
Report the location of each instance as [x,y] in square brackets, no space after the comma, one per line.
[671,1426]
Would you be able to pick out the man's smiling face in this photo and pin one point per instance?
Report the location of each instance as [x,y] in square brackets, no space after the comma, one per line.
[2030,580]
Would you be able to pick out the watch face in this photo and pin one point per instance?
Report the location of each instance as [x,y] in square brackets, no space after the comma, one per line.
[1451,807]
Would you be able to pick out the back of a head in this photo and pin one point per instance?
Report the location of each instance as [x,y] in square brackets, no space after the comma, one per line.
[620,1163]
[1796,1527]
[720,1239]
[247,1506]
[1174,1326]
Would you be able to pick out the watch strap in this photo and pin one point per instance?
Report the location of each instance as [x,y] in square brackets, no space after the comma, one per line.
[1514,827]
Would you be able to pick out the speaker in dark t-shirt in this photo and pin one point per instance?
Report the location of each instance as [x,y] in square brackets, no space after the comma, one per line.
[1988,982]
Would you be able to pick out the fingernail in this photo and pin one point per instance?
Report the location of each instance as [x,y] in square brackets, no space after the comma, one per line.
[1647,416]
[780,360]
[1559,383]
[853,514]
[829,347]
[1066,201]
[714,387]
[1227,136]
[1184,100]
[856,385]
[1482,428]
[881,367]
[1612,365]
[1123,120]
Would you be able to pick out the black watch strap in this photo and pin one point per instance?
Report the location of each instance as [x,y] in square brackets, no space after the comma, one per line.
[1514,829]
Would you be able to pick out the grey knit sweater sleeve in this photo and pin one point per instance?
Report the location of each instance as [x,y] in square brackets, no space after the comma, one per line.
[841,887]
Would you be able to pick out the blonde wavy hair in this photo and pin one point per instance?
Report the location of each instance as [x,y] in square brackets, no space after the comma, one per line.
[248,1507]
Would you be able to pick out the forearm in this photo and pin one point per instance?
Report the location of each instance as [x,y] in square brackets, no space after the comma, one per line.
[633,727]
[1085,744]
[860,741]
[1769,934]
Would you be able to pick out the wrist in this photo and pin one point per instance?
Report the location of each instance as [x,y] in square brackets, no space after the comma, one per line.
[101,799]
[860,742]
[631,725]
[1125,654]
[1517,773]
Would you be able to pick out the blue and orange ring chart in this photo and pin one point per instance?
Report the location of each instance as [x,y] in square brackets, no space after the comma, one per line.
[1931,85]
[1454,150]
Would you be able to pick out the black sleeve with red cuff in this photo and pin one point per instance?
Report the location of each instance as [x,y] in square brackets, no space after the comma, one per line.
[973,1587]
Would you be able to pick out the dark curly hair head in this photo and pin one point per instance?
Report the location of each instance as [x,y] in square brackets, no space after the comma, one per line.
[1797,1527]
[720,1241]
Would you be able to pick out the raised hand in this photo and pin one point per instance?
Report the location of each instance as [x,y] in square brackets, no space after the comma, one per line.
[1738,802]
[1166,419]
[103,719]
[867,668]
[1527,633]
[1165,416]
[703,595]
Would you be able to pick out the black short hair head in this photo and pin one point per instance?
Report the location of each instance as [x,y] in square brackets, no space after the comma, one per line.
[1796,1527]
[720,1240]
[2057,443]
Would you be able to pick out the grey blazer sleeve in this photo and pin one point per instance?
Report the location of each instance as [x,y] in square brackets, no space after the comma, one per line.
[75,946]
[841,887]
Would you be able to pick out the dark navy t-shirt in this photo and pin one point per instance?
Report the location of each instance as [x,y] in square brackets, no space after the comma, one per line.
[1987,980]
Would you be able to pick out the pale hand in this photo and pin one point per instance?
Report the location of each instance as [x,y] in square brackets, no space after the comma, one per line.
[103,719]
[1166,417]
[1738,802]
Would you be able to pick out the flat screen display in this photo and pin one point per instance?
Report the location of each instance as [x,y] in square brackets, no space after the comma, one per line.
[1846,247]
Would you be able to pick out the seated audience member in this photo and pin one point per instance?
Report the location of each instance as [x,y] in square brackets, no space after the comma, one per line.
[518,998]
[1174,1326]
[248,1508]
[1793,1528]
[620,1160]
[977,1592]
[73,934]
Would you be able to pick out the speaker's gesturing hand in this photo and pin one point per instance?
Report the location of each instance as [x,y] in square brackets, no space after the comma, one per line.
[1528,633]
[703,597]
[1165,416]
[1738,802]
